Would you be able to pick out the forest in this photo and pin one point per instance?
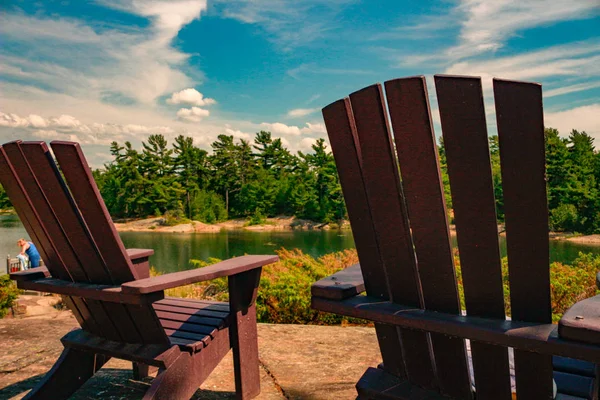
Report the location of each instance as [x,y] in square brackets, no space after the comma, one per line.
[259,179]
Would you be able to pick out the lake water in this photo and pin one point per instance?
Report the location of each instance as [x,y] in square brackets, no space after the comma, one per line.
[173,250]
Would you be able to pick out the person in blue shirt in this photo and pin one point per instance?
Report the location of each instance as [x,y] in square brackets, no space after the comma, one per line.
[31,251]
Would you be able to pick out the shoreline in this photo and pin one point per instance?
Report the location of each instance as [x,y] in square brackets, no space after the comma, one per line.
[282,223]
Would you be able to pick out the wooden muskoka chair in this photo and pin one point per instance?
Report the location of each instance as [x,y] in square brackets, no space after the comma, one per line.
[122,311]
[395,199]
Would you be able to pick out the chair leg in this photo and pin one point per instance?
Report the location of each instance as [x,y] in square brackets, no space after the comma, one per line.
[179,381]
[72,369]
[244,342]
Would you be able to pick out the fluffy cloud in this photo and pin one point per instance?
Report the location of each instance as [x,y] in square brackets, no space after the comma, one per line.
[237,134]
[194,114]
[109,63]
[190,97]
[301,112]
[307,143]
[583,118]
[67,127]
[278,128]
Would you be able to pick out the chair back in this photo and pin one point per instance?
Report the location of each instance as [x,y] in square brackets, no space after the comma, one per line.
[387,158]
[71,227]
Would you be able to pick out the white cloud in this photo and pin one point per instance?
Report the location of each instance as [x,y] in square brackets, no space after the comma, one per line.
[107,63]
[190,97]
[314,128]
[194,114]
[238,134]
[486,25]
[571,89]
[301,112]
[288,23]
[307,143]
[481,27]
[278,128]
[583,118]
[66,127]
[281,129]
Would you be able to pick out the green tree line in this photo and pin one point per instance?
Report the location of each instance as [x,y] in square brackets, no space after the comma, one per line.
[238,179]
[262,178]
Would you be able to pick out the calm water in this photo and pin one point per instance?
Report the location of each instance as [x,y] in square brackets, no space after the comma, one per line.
[173,250]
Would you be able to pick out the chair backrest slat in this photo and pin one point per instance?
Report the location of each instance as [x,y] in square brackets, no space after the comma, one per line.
[416,148]
[44,169]
[388,218]
[87,197]
[462,114]
[519,115]
[342,131]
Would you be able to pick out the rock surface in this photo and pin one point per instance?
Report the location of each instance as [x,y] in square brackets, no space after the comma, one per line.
[297,361]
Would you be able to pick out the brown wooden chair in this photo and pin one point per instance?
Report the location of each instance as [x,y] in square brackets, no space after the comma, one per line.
[394,195]
[122,311]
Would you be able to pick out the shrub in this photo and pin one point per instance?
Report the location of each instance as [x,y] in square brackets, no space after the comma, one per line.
[284,293]
[564,218]
[256,219]
[8,294]
[208,207]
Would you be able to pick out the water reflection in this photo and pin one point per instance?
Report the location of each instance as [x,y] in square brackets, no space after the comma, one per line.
[174,250]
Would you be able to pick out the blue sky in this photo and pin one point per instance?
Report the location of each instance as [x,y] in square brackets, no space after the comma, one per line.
[105,70]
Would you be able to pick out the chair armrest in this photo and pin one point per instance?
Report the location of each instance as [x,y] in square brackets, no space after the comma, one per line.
[341,285]
[581,322]
[139,259]
[229,267]
[136,254]
[30,274]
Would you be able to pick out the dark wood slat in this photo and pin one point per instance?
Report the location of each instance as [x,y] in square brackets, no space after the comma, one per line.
[200,304]
[60,201]
[190,311]
[341,130]
[103,320]
[175,279]
[417,155]
[123,322]
[573,366]
[47,218]
[157,355]
[464,129]
[520,121]
[341,285]
[187,327]
[147,322]
[192,319]
[186,335]
[574,385]
[196,304]
[91,325]
[87,197]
